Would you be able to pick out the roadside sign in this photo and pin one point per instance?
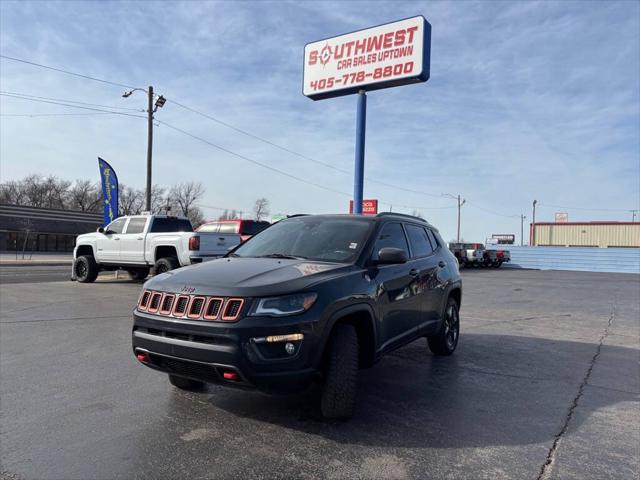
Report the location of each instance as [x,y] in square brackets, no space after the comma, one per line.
[369,207]
[389,55]
[503,239]
[562,217]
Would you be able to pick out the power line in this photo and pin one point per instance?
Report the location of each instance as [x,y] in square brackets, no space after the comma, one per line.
[255,162]
[244,132]
[88,77]
[53,114]
[72,106]
[493,212]
[293,152]
[26,95]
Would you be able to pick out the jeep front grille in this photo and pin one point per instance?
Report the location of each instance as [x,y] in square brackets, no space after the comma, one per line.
[193,307]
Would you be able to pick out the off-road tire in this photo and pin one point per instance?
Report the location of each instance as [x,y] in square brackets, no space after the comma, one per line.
[341,373]
[86,269]
[138,274]
[185,383]
[497,264]
[165,264]
[443,343]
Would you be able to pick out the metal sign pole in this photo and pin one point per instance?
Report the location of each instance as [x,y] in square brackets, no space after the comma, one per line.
[361,126]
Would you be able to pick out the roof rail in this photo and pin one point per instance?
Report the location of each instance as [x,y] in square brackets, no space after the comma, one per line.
[404,215]
[298,215]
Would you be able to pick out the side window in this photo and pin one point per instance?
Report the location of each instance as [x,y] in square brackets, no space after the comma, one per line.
[136,225]
[433,239]
[420,245]
[116,226]
[391,235]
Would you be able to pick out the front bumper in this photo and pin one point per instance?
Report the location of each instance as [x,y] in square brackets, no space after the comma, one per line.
[206,350]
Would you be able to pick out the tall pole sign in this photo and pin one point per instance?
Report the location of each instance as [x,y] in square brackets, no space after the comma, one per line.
[389,55]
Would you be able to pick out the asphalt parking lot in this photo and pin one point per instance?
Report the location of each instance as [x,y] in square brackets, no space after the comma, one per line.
[544,384]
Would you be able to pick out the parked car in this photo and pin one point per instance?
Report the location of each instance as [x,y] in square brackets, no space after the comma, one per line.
[495,258]
[245,228]
[468,254]
[311,298]
[138,243]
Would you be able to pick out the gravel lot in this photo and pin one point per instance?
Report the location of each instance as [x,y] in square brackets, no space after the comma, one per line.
[544,384]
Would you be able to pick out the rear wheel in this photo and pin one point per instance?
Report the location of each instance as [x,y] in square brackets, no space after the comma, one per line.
[165,264]
[138,274]
[445,342]
[341,374]
[497,264]
[86,269]
[185,383]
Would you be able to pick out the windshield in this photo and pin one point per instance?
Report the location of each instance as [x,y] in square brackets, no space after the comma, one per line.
[337,240]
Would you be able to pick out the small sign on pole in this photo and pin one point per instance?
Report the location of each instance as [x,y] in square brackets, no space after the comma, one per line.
[369,207]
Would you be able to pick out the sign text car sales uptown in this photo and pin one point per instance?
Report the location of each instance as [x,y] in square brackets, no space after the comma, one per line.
[393,54]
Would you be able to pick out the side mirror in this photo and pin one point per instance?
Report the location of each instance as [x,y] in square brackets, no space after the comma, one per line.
[100,229]
[390,255]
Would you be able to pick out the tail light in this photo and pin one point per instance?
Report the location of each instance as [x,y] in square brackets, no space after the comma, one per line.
[194,243]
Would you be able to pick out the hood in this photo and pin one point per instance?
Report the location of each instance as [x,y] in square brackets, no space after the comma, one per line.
[246,276]
[86,237]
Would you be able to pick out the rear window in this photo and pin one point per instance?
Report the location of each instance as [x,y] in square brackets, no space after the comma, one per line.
[253,228]
[228,227]
[161,225]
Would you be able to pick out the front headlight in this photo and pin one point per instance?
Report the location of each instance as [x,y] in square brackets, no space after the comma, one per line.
[285,305]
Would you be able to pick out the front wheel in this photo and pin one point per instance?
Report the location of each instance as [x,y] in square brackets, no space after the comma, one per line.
[185,383]
[341,374]
[86,269]
[446,341]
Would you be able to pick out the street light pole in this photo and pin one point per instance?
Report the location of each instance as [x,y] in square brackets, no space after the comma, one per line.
[522,217]
[159,103]
[533,225]
[149,146]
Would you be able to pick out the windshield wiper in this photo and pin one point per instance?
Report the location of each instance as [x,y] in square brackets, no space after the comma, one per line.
[282,255]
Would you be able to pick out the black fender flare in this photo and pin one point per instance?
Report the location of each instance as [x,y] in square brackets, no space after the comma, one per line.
[338,315]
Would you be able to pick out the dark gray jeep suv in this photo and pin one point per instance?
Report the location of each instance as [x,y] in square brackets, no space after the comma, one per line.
[313,297]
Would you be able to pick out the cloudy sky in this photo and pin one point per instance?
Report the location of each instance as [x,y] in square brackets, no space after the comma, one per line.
[527,100]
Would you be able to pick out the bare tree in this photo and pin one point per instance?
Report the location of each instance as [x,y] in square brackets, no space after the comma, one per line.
[130,200]
[185,195]
[159,201]
[261,208]
[84,196]
[12,193]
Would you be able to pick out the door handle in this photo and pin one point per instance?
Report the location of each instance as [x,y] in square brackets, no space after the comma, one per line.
[140,238]
[413,272]
[117,239]
[442,264]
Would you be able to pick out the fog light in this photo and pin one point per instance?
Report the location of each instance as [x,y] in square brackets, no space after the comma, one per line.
[290,348]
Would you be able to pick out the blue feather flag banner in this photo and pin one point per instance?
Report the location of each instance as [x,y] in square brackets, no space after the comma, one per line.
[109,181]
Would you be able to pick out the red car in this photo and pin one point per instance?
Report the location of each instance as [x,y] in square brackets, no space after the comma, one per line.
[245,228]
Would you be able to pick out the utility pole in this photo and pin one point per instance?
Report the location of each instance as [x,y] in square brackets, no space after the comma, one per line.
[149,146]
[461,202]
[633,215]
[522,218]
[459,207]
[533,225]
[160,101]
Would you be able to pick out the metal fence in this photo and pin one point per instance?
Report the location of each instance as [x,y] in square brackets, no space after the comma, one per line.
[618,260]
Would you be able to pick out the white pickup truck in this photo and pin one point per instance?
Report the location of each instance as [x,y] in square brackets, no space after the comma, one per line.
[141,242]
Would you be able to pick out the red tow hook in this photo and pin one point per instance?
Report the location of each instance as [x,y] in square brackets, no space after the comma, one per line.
[231,376]
[142,357]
